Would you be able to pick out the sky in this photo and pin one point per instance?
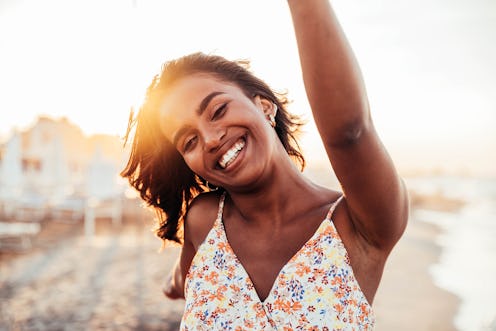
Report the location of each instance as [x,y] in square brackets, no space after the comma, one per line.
[428,65]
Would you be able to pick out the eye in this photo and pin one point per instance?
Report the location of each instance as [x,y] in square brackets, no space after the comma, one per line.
[190,143]
[219,112]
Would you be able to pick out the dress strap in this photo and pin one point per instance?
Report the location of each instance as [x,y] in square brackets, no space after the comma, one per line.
[221,205]
[333,207]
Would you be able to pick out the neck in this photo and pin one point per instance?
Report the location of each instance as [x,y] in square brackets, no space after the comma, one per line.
[280,197]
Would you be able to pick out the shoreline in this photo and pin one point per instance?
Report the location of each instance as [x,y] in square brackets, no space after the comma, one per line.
[408,298]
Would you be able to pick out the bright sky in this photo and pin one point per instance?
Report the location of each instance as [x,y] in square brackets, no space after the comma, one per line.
[429,65]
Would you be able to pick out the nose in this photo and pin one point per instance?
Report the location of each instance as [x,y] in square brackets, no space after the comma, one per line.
[212,137]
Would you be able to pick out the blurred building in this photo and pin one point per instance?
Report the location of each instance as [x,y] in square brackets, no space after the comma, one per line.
[53,163]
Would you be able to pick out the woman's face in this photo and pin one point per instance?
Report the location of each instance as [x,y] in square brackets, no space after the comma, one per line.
[223,135]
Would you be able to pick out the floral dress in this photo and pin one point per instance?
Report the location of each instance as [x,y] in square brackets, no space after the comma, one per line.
[315,290]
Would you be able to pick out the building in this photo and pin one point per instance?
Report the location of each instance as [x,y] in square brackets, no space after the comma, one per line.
[54,165]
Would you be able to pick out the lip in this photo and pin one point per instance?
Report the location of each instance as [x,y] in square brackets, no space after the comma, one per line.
[238,158]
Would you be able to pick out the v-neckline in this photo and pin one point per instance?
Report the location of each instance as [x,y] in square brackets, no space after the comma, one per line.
[285,266]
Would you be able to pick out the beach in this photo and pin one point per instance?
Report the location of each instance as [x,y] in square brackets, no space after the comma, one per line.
[407,298]
[68,282]
[113,280]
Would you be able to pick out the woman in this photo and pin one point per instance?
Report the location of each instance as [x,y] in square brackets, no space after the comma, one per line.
[267,248]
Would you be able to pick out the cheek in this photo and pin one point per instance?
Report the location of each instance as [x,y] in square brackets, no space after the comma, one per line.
[194,162]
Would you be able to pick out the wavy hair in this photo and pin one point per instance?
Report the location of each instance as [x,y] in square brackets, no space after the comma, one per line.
[158,171]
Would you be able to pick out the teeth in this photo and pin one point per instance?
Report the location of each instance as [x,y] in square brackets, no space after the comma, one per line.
[231,154]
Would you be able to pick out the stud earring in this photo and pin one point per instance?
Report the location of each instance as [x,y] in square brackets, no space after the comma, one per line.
[272,120]
[272,117]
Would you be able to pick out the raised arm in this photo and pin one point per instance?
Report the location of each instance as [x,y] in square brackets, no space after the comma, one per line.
[375,195]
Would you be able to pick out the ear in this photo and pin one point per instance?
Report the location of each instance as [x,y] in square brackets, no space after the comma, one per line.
[266,106]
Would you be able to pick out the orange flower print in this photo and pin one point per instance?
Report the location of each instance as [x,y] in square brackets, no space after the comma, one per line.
[212,277]
[249,324]
[296,305]
[281,304]
[235,288]
[260,313]
[223,246]
[339,308]
[318,272]
[302,269]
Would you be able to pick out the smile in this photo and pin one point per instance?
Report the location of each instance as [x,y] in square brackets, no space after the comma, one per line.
[232,154]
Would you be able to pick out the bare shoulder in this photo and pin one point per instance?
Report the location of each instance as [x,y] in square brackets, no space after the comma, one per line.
[201,216]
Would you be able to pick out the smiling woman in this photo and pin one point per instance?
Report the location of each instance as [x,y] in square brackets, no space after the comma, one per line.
[268,249]
[195,91]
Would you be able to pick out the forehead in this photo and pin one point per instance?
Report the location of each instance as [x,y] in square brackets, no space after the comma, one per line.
[182,99]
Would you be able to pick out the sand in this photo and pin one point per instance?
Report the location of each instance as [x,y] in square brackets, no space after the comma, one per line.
[113,282]
[407,298]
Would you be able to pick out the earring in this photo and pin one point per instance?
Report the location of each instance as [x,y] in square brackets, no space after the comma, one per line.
[210,186]
[272,120]
[272,117]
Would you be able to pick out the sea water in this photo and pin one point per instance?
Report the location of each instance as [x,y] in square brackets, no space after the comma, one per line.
[467,265]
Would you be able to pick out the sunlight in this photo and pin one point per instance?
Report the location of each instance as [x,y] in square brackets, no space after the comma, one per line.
[91,62]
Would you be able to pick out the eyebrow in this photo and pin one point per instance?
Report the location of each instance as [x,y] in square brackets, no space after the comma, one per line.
[204,103]
[201,109]
[178,134]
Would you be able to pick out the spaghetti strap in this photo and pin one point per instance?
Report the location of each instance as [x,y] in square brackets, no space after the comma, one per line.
[333,207]
[221,206]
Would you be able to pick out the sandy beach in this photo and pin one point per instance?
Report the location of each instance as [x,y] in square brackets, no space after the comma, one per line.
[407,298]
[113,281]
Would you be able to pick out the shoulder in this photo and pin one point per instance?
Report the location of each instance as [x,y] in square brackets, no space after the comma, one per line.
[200,217]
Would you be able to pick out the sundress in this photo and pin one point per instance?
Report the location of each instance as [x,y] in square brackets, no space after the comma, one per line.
[315,290]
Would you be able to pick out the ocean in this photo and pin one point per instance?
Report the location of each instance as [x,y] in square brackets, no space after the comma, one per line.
[467,265]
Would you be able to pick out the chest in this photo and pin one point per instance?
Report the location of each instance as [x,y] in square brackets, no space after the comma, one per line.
[264,258]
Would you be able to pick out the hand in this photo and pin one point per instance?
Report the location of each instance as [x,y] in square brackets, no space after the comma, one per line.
[169,290]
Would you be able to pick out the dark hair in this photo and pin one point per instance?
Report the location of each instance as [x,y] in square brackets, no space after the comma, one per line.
[157,170]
